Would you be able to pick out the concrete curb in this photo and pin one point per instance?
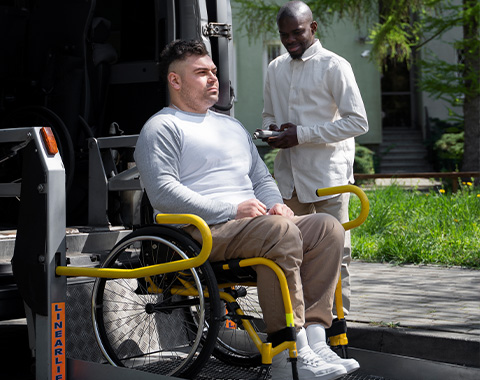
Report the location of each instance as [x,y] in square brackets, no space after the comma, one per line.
[452,348]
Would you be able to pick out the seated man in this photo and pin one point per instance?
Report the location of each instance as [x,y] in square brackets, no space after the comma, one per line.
[192,160]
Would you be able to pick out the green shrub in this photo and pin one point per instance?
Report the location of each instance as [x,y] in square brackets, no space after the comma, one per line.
[445,144]
[363,160]
[449,151]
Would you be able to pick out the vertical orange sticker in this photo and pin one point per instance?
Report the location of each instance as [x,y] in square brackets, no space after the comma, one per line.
[58,341]
[229,324]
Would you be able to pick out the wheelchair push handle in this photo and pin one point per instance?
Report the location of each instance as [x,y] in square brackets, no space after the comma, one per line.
[364,204]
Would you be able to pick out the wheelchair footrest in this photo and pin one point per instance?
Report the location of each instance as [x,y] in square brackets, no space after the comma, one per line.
[339,326]
[287,334]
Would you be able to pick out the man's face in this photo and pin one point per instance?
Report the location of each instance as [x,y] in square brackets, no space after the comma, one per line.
[198,83]
[297,35]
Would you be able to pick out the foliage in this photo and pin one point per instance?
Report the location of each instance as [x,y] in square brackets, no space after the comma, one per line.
[446,145]
[452,82]
[363,160]
[450,148]
[257,17]
[398,26]
[406,226]
[269,159]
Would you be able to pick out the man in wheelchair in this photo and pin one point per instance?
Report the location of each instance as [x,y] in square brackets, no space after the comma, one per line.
[193,160]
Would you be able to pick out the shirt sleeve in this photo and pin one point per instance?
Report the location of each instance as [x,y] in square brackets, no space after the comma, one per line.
[157,156]
[268,117]
[352,117]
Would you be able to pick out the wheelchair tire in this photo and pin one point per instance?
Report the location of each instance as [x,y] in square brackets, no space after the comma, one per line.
[234,345]
[161,332]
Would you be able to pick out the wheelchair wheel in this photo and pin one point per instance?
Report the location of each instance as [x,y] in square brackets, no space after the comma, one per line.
[165,324]
[234,345]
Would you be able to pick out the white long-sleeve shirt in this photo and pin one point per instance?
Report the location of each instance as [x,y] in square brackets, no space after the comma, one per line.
[319,94]
[202,164]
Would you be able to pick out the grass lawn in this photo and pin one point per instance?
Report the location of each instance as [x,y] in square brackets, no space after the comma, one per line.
[410,226]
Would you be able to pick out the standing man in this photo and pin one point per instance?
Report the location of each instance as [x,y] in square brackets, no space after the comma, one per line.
[311,95]
[193,160]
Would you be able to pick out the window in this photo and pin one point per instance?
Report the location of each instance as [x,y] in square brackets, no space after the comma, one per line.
[272,50]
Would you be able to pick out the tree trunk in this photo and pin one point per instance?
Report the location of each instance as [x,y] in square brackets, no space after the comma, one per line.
[471,105]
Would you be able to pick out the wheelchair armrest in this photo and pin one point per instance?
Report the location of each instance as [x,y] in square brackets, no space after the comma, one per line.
[152,270]
[202,227]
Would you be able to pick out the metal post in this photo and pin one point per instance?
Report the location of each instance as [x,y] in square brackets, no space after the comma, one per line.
[39,248]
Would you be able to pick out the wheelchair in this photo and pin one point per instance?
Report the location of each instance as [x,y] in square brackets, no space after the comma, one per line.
[158,305]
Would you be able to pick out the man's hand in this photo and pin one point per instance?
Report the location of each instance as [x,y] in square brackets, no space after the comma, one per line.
[281,209]
[251,208]
[287,139]
[273,127]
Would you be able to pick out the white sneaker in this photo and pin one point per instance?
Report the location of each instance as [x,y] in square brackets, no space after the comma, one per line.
[309,365]
[329,356]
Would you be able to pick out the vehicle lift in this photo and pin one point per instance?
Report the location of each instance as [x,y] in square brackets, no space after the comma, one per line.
[40,247]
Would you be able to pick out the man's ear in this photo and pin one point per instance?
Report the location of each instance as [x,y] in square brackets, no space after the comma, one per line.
[174,80]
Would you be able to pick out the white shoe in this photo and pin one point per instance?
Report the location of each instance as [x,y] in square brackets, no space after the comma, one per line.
[309,365]
[329,356]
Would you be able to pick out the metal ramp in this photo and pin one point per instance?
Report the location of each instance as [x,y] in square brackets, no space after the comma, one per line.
[216,370]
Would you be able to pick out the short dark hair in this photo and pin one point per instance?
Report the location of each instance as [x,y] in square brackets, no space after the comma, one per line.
[295,9]
[179,50]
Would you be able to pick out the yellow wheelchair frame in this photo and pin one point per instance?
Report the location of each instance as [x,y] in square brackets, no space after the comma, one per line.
[184,288]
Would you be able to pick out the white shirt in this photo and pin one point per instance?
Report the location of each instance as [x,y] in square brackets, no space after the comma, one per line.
[319,94]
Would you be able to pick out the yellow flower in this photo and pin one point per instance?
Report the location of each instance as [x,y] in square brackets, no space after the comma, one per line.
[469,183]
[455,220]
[478,195]
[442,191]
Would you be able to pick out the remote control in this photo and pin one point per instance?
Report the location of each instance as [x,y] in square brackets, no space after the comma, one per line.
[264,133]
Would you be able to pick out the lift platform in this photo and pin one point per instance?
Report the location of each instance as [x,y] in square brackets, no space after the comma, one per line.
[39,248]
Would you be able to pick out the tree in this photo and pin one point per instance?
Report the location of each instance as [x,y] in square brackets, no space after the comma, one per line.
[457,83]
[399,29]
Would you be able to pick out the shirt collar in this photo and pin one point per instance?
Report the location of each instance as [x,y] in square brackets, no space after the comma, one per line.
[310,52]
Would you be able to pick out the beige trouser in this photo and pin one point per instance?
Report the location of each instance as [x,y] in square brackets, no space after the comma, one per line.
[337,207]
[308,249]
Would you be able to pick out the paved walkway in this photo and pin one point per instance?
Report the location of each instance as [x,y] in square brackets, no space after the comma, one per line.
[412,300]
[427,297]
